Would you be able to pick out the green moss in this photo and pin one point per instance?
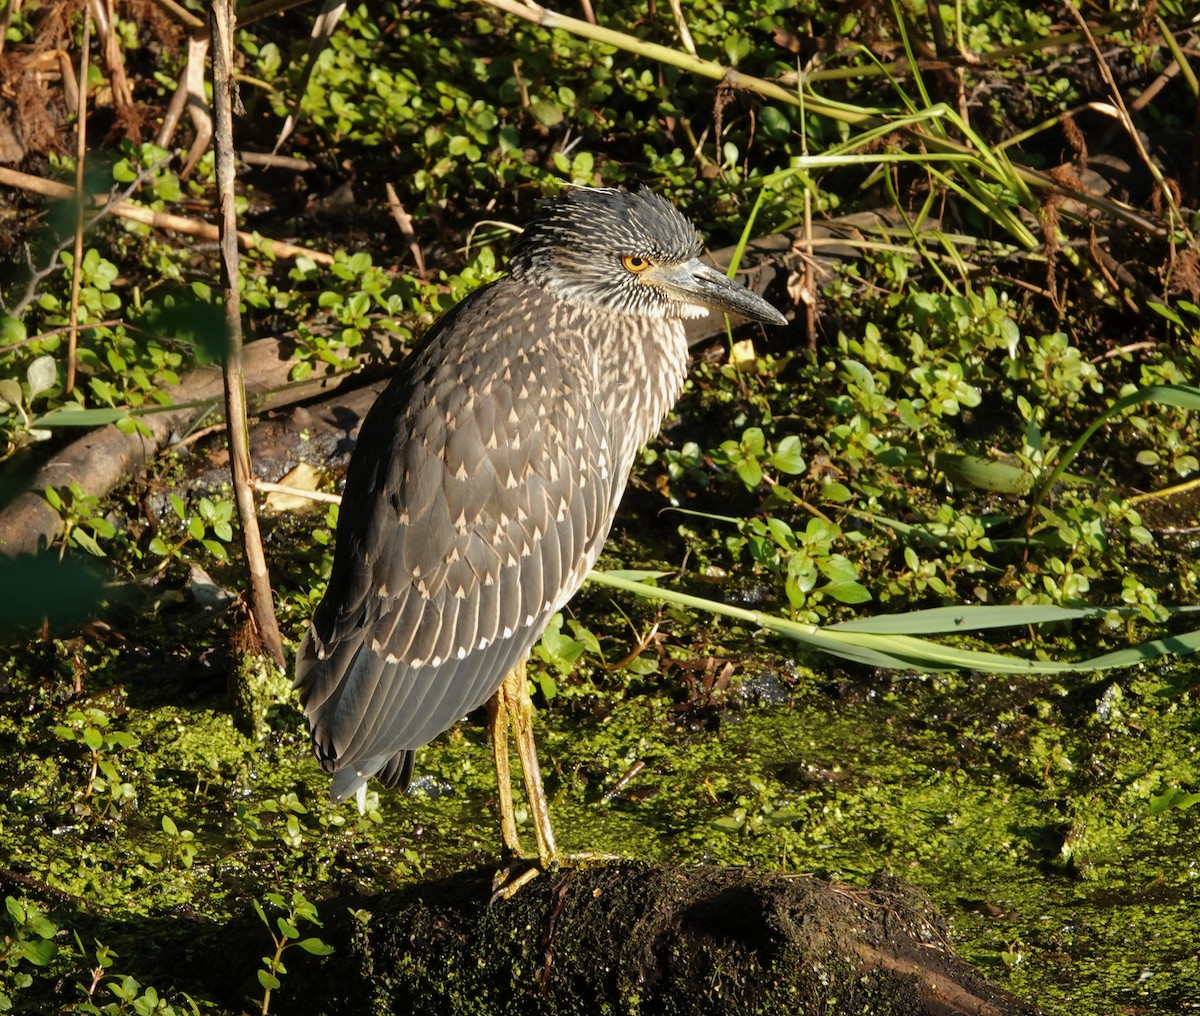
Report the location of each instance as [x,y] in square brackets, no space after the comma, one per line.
[255,685]
[1022,807]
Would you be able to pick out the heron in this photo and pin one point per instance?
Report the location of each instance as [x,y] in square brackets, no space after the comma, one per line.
[485,479]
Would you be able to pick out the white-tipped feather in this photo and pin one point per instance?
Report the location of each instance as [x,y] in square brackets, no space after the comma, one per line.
[488,473]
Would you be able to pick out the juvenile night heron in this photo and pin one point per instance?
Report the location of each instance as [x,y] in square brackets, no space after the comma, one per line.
[485,480]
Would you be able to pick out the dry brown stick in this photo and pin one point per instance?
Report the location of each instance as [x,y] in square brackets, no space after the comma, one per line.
[685,34]
[39,336]
[189,95]
[1126,120]
[197,104]
[114,62]
[80,168]
[404,221]
[261,607]
[1151,91]
[286,488]
[273,161]
[66,75]
[162,220]
[180,14]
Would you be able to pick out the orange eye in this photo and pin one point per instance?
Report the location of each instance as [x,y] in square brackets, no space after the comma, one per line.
[635,263]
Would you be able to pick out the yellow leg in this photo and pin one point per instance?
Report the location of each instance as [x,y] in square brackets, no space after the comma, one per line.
[515,692]
[512,701]
[498,728]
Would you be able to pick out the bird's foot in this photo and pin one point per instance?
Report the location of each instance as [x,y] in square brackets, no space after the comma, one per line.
[510,880]
[587,857]
[507,882]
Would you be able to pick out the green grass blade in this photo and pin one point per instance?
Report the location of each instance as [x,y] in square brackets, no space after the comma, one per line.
[81,417]
[1178,396]
[893,651]
[972,617]
[1169,645]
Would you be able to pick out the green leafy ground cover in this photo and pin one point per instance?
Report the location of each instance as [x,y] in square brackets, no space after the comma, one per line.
[897,463]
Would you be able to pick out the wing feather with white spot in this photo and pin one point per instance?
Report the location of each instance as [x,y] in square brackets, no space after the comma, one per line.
[476,500]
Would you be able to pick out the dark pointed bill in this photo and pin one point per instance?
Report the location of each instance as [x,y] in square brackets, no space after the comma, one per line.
[698,283]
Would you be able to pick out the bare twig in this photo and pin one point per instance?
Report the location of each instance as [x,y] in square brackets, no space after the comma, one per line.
[40,336]
[522,90]
[640,647]
[1127,121]
[685,34]
[181,14]
[630,774]
[66,73]
[404,221]
[285,488]
[160,220]
[114,62]
[189,95]
[1150,92]
[261,608]
[80,179]
[1179,488]
[1125,350]
[272,161]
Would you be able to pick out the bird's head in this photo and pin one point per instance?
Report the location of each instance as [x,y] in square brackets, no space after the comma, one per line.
[630,253]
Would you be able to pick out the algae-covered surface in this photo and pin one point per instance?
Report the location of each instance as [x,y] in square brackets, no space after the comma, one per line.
[1025,809]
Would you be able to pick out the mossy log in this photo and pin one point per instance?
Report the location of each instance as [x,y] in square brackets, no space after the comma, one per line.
[106,456]
[638,938]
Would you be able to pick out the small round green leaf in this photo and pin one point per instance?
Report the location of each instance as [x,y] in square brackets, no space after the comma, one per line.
[42,375]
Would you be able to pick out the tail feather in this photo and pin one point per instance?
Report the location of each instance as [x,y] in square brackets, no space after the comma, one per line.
[320,681]
[394,773]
